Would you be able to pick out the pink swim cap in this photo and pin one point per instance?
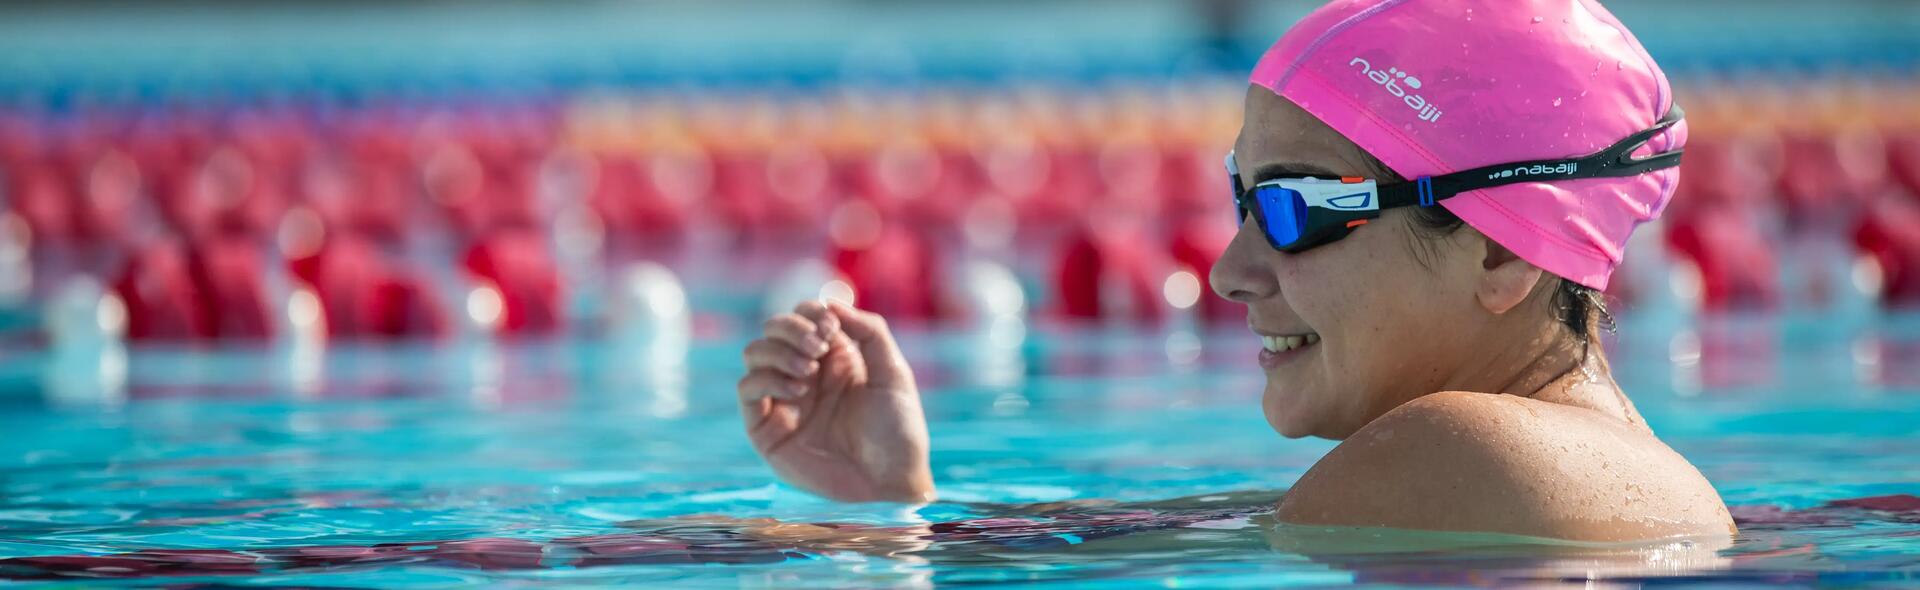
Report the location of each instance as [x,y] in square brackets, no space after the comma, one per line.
[1431,87]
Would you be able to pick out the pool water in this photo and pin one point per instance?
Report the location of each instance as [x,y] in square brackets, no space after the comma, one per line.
[581,464]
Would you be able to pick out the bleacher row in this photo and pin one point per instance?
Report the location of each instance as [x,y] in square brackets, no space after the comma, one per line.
[1780,180]
[206,221]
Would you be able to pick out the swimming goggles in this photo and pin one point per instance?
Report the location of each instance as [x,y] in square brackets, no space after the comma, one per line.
[1300,212]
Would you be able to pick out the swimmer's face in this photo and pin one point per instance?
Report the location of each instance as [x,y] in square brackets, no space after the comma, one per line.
[1394,310]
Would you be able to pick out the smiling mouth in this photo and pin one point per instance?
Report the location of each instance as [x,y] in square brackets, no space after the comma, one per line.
[1286,343]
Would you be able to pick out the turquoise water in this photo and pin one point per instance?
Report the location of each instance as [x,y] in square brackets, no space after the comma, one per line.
[565,464]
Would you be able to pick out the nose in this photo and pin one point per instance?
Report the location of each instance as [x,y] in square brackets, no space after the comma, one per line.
[1240,274]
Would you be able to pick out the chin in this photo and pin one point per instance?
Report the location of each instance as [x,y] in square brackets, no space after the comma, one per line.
[1289,422]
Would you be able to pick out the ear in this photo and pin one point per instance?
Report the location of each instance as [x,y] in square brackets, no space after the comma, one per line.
[1505,279]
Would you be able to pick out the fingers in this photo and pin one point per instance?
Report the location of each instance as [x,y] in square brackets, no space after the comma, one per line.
[780,357]
[865,328]
[799,332]
[766,383]
[819,313]
[780,365]
[827,323]
[869,332]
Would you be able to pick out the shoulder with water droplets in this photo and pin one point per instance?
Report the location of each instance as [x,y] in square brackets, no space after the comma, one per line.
[1462,461]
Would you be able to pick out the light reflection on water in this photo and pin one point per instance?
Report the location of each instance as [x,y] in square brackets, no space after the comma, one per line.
[265,449]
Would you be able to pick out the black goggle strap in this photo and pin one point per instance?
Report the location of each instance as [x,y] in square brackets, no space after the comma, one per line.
[1615,161]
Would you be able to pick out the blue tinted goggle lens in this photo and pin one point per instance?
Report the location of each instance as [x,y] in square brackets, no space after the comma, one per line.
[1283,214]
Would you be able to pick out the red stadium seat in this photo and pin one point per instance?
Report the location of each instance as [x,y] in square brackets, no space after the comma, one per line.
[771,192]
[1194,182]
[1889,235]
[1903,159]
[1131,179]
[740,190]
[363,296]
[1050,186]
[162,301]
[232,272]
[1104,274]
[366,198]
[1072,182]
[646,197]
[1737,266]
[480,189]
[110,188]
[213,290]
[893,269]
[1738,172]
[908,180]
[223,192]
[1196,245]
[801,189]
[519,268]
[44,200]
[20,139]
[1828,176]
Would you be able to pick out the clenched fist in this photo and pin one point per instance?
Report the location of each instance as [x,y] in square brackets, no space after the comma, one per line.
[830,403]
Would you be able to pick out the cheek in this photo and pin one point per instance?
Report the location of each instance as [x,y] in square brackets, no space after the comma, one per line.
[1370,308]
[1333,292]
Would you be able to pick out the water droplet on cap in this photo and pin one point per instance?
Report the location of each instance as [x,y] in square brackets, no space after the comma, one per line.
[1556,101]
[1539,19]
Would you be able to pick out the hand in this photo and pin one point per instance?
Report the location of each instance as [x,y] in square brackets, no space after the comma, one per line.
[830,403]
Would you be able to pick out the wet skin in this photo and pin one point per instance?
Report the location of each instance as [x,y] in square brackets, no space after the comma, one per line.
[1463,402]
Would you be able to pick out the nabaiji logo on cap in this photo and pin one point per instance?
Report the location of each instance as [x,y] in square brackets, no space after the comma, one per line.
[1538,169]
[1391,79]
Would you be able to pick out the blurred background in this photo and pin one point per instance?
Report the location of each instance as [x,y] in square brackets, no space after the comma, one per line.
[382,271]
[239,173]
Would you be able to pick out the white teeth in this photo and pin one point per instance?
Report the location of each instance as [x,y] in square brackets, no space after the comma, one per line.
[1286,343]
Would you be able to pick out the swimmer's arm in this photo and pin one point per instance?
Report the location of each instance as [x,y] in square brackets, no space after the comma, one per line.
[1476,462]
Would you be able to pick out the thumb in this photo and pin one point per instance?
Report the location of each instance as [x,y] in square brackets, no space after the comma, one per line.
[886,367]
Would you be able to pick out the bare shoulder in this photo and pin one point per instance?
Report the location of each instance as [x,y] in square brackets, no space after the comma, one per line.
[1457,461]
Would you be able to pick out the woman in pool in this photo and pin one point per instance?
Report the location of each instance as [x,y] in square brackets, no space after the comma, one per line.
[1443,328]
